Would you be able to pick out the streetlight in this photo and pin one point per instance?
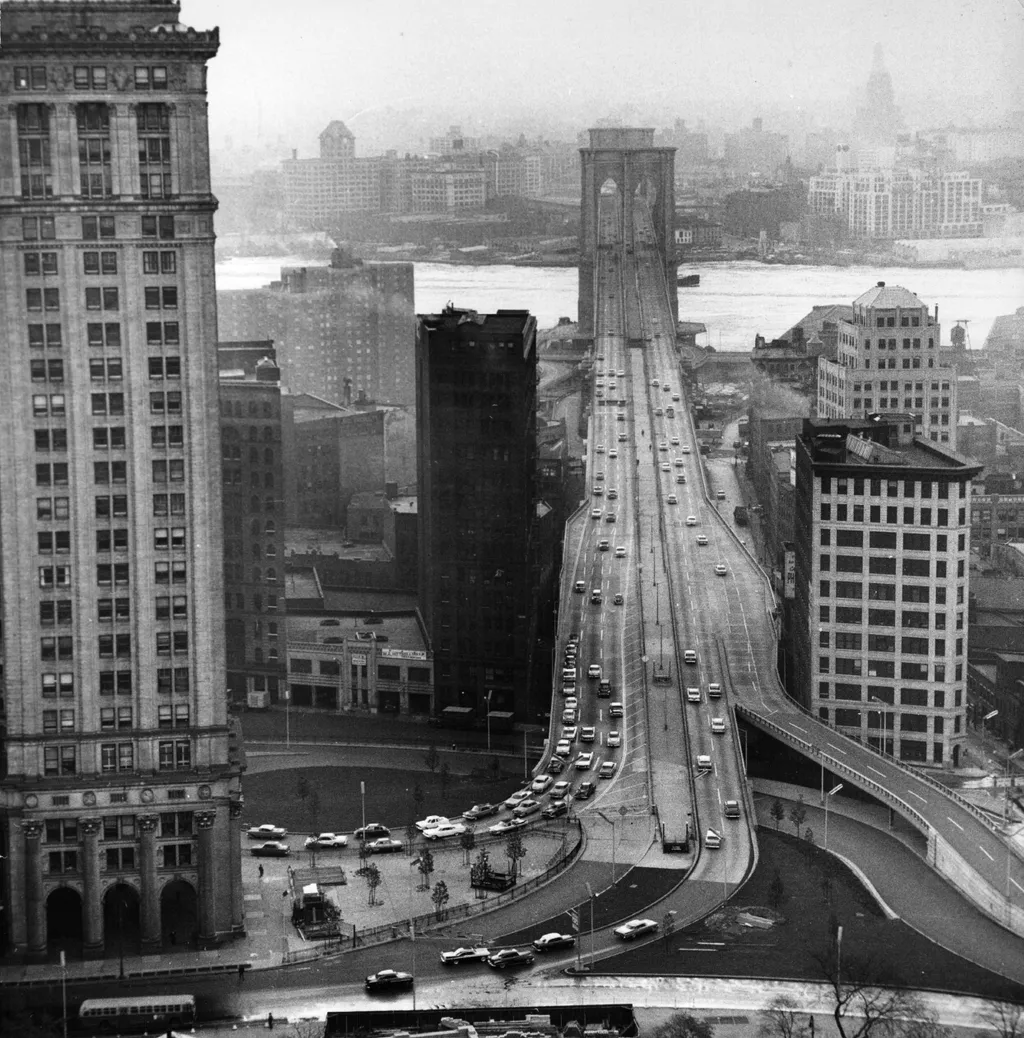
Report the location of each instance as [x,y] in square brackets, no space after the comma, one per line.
[287,716]
[64,989]
[885,725]
[362,797]
[831,793]
[489,720]
[412,933]
[590,894]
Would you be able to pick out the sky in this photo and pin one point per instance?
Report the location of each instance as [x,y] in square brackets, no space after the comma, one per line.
[393,69]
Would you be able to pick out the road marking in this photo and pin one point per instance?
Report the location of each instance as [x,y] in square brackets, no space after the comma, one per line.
[957,824]
[919,797]
[876,771]
[797,727]
[985,852]
[1017,885]
[838,749]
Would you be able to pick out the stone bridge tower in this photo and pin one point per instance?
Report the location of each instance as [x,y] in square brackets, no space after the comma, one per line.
[627,157]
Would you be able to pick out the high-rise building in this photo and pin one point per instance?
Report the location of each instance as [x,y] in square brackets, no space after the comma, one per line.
[344,332]
[882,543]
[476,384]
[878,120]
[890,360]
[119,801]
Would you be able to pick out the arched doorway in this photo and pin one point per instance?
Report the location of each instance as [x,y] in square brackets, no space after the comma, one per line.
[179,915]
[64,922]
[122,930]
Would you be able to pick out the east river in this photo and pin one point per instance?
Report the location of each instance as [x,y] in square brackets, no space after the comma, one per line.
[734,300]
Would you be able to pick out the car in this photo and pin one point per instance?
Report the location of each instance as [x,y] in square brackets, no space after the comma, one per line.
[271,849]
[562,749]
[599,476]
[604,689]
[596,596]
[635,928]
[692,694]
[613,453]
[598,490]
[325,841]
[557,764]
[690,657]
[675,398]
[266,832]
[600,394]
[658,412]
[732,809]
[444,832]
[603,545]
[388,980]
[588,733]
[585,790]
[506,825]
[655,382]
[569,733]
[672,499]
[666,388]
[666,467]
[599,448]
[553,941]
[685,448]
[527,808]
[613,385]
[584,761]
[622,437]
[461,955]
[481,811]
[720,495]
[510,957]
[372,831]
[712,840]
[663,446]
[620,552]
[615,709]
[431,822]
[609,517]
[702,540]
[579,587]
[330,623]
[542,783]
[568,689]
[691,520]
[613,494]
[594,670]
[620,373]
[607,769]
[678,463]
[614,738]
[720,569]
[680,479]
[674,441]
[714,690]
[384,845]
[517,798]
[620,416]
[618,600]
[560,789]
[718,725]
[596,513]
[570,703]
[569,716]
[704,762]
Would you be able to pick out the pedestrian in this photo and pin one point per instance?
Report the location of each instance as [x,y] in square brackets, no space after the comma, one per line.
[270,1021]
[241,972]
[261,872]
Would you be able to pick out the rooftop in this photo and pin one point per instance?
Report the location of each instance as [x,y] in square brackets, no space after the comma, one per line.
[889,297]
[402,630]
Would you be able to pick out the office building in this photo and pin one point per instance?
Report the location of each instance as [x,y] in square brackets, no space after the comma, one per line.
[476,380]
[890,360]
[344,332]
[120,799]
[882,541]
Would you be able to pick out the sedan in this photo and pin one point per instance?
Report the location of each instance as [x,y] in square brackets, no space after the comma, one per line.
[718,725]
[325,841]
[443,832]
[584,761]
[481,811]
[271,849]
[517,798]
[674,441]
[666,467]
[585,791]
[685,448]
[622,437]
[594,670]
[613,453]
[620,374]
[570,703]
[617,600]
[372,831]
[563,749]
[431,822]
[691,520]
[385,845]
[609,517]
[388,980]
[541,784]
[635,928]
[704,762]
[607,770]
[680,478]
[614,738]
[267,832]
[672,499]
[702,540]
[596,513]
[555,809]
[599,448]
[506,825]
[557,764]
[620,552]
[526,808]
[560,788]
[613,494]
[510,957]
[663,446]
[692,694]
[720,569]
[588,733]
[658,412]
[598,490]
[551,941]
[679,463]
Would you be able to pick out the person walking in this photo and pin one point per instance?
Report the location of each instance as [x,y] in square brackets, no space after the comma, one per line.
[261,872]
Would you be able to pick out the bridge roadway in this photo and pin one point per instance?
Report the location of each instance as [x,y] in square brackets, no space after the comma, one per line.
[674,600]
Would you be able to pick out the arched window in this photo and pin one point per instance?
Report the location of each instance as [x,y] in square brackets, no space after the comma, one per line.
[271,528]
[271,575]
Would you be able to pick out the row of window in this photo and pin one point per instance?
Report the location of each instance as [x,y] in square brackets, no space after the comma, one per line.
[888,539]
[87,77]
[886,565]
[872,668]
[104,228]
[122,859]
[103,437]
[885,695]
[910,516]
[118,718]
[880,592]
[853,641]
[58,612]
[908,618]
[112,646]
[42,264]
[843,485]
[169,680]
[106,334]
[172,755]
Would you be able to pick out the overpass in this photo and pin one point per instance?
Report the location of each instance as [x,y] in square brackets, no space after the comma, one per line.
[672,604]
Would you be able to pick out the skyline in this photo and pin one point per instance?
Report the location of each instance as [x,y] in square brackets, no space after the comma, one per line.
[549,71]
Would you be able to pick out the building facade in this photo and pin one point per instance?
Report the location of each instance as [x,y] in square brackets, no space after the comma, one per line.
[252,475]
[882,543]
[476,377]
[890,360]
[120,801]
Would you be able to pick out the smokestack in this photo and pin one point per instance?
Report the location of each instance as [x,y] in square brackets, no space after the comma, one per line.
[936,313]
[295,153]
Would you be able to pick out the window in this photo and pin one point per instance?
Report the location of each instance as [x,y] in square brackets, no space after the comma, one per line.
[38,228]
[159,262]
[158,227]
[62,861]
[99,262]
[119,756]
[174,754]
[153,123]
[108,437]
[173,716]
[94,150]
[46,370]
[165,403]
[54,576]
[119,859]
[60,760]
[33,122]
[38,264]
[176,855]
[107,334]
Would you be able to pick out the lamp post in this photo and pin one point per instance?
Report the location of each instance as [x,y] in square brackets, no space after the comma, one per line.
[883,710]
[590,894]
[64,990]
[489,720]
[831,793]
[287,716]
[362,798]
[412,932]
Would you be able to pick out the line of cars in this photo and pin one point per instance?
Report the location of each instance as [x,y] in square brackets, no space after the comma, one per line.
[375,837]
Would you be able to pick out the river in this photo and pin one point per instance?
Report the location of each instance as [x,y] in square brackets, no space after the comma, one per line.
[735,300]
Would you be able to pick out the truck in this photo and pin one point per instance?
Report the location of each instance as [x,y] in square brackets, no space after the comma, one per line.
[739,514]
[257,700]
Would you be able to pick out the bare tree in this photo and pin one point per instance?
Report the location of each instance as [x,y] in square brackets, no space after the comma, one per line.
[432,759]
[668,925]
[373,879]
[514,850]
[467,841]
[797,814]
[809,834]
[440,897]
[1005,1019]
[425,868]
[306,1029]
[446,780]
[683,1025]
[778,813]
[780,1019]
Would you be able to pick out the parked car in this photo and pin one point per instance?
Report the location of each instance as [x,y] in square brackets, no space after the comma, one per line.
[372,831]
[271,849]
[510,957]
[325,841]
[481,811]
[431,822]
[267,832]
[388,980]
[552,941]
[444,832]
[384,845]
[461,955]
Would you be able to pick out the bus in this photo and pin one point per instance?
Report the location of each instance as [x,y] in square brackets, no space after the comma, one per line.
[136,1015]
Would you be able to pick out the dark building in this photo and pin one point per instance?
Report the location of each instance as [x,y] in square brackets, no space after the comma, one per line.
[251,475]
[476,381]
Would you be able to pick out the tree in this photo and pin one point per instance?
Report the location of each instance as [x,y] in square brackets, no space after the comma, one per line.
[1005,1019]
[446,780]
[778,813]
[432,759]
[418,796]
[440,897]
[514,850]
[809,834]
[373,878]
[683,1025]
[306,1029]
[797,814]
[668,925]
[776,890]
[425,868]
[467,841]
[780,1019]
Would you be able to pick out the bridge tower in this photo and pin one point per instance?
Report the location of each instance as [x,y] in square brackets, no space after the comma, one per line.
[626,157]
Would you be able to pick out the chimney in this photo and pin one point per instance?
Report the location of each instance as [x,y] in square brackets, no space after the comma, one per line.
[295,153]
[936,313]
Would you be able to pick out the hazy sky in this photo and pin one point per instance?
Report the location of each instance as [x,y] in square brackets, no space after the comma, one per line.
[291,66]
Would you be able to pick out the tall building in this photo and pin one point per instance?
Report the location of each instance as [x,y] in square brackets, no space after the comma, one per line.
[878,120]
[476,384]
[890,360]
[119,801]
[252,474]
[882,543]
[345,332]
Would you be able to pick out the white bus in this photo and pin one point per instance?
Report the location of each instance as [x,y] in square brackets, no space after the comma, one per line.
[136,1015]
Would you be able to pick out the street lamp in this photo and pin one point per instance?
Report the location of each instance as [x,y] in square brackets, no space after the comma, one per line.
[489,691]
[831,793]
[885,725]
[590,894]
[412,933]
[362,798]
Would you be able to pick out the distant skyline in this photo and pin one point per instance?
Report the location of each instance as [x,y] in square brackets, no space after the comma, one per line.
[555,66]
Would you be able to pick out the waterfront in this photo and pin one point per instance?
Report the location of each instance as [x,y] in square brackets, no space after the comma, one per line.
[735,300]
